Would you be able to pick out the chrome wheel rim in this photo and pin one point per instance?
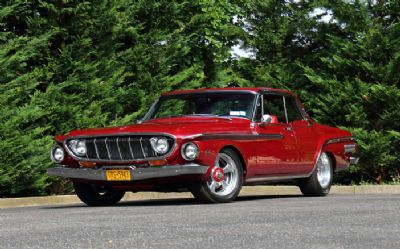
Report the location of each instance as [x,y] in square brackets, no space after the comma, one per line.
[230,179]
[324,173]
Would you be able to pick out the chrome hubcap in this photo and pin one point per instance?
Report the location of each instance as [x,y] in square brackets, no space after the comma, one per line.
[324,173]
[224,176]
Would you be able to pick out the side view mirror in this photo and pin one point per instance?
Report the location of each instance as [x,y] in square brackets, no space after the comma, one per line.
[269,119]
[266,119]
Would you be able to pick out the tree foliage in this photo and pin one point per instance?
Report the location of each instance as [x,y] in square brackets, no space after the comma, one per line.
[69,64]
[343,59]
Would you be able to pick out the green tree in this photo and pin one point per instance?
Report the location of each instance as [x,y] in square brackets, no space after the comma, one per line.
[343,59]
[68,65]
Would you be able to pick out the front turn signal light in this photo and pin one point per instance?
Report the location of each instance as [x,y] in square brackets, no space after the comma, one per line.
[158,162]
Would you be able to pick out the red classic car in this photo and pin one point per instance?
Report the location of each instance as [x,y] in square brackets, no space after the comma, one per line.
[210,142]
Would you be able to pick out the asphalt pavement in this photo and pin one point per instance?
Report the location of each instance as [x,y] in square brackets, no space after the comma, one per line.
[336,221]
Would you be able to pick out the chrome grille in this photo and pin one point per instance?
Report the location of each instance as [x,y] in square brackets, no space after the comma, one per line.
[121,148]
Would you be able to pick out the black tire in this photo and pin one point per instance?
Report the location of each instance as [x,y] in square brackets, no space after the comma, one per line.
[315,186]
[234,181]
[97,195]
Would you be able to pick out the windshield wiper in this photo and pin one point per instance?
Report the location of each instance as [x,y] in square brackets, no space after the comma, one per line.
[203,115]
[197,115]
[207,115]
[174,116]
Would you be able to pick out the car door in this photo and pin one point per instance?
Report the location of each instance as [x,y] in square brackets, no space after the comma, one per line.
[277,151]
[306,137]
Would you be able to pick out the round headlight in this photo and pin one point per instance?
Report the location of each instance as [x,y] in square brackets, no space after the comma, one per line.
[78,147]
[57,154]
[190,151]
[159,144]
[81,148]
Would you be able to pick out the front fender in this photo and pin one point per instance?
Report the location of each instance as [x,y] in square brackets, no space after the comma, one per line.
[209,150]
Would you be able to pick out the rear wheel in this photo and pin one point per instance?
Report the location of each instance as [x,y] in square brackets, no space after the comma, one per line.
[225,181]
[97,195]
[320,181]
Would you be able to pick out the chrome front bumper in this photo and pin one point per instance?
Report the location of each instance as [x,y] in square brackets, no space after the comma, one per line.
[136,173]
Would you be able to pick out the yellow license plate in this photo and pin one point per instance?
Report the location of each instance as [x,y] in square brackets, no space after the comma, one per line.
[118,175]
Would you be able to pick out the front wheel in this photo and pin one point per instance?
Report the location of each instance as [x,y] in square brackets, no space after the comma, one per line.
[225,181]
[320,181]
[97,195]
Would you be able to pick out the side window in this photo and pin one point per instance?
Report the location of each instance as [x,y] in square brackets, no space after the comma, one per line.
[293,112]
[273,105]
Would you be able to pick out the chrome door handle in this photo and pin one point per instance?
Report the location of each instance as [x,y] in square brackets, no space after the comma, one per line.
[288,128]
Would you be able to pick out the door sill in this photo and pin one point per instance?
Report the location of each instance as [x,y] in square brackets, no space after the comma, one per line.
[275,178]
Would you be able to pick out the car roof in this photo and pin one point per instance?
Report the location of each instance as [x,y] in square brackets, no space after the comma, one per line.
[249,89]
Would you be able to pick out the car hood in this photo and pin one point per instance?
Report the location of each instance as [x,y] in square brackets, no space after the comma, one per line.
[178,127]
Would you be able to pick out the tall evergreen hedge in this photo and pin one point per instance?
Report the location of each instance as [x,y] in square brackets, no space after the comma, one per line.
[69,64]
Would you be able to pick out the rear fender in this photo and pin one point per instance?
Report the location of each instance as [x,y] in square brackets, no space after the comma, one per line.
[336,147]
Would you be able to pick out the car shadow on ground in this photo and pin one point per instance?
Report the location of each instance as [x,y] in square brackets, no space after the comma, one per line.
[176,202]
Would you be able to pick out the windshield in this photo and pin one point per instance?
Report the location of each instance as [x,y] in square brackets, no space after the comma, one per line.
[224,104]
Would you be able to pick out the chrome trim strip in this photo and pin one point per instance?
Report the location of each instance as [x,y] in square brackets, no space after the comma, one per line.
[258,99]
[150,111]
[234,136]
[141,146]
[275,178]
[192,136]
[340,140]
[216,91]
[108,152]
[136,173]
[245,136]
[285,108]
[124,134]
[130,147]
[69,152]
[119,150]
[262,106]
[86,152]
[95,147]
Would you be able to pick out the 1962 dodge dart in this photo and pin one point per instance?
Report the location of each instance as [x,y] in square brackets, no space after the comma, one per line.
[210,142]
